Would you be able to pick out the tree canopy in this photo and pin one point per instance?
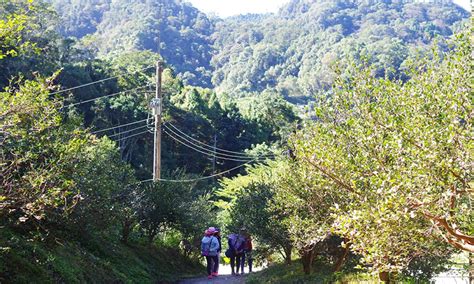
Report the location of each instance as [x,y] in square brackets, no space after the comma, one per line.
[290,53]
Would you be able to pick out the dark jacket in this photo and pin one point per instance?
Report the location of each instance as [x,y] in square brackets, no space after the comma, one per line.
[237,245]
[220,243]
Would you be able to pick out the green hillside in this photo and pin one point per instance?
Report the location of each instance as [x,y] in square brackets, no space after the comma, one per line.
[291,53]
[90,261]
[180,32]
[294,52]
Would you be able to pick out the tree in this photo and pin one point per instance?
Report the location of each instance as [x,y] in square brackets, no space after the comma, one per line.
[50,170]
[157,207]
[22,36]
[38,153]
[100,176]
[163,206]
[253,206]
[286,207]
[303,193]
[271,116]
[402,154]
[14,27]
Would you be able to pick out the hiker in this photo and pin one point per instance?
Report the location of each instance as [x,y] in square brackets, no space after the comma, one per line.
[217,234]
[243,235]
[248,247]
[235,252]
[209,247]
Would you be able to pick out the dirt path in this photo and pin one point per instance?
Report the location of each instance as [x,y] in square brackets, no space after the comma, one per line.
[225,277]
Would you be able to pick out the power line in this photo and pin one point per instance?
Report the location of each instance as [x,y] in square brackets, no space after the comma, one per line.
[196,179]
[107,96]
[136,134]
[123,138]
[212,148]
[99,81]
[119,126]
[205,153]
[127,131]
[204,149]
[210,154]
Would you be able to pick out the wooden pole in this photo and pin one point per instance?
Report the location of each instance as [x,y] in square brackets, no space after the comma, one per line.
[157,144]
[471,268]
[214,158]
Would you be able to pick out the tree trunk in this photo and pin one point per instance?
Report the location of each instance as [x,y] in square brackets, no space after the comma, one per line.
[126,229]
[151,236]
[384,277]
[288,250]
[307,257]
[342,259]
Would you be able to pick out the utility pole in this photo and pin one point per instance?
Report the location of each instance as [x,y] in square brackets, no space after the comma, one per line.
[156,105]
[471,267]
[214,158]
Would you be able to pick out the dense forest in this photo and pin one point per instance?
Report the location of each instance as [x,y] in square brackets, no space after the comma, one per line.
[339,133]
[291,53]
[294,52]
[178,31]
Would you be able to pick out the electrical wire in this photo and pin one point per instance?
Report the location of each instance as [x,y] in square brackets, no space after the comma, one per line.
[207,150]
[136,134]
[107,96]
[127,131]
[148,130]
[196,179]
[100,81]
[205,153]
[209,146]
[213,149]
[118,126]
[210,154]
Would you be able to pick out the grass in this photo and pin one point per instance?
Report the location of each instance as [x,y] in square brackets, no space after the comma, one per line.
[286,274]
[322,273]
[23,260]
[293,274]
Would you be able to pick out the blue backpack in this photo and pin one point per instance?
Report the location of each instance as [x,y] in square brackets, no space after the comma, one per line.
[209,246]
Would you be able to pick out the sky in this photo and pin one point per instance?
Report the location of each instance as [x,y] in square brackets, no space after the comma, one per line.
[226,8]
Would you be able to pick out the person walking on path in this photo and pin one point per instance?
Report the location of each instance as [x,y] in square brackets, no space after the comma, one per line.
[209,247]
[242,256]
[217,234]
[235,252]
[248,247]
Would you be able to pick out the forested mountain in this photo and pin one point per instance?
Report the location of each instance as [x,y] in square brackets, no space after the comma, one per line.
[175,29]
[292,52]
[80,17]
